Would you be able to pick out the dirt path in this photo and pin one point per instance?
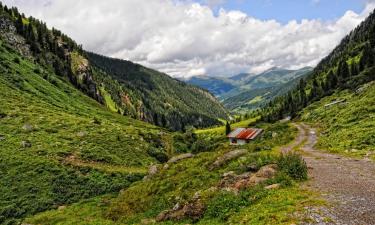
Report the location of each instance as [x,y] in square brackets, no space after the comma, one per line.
[348,184]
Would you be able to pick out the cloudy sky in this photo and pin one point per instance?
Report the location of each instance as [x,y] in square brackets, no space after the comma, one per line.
[205,37]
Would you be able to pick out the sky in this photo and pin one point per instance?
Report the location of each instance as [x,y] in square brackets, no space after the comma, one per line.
[185,38]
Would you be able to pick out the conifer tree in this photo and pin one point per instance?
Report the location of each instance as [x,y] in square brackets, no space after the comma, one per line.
[227,128]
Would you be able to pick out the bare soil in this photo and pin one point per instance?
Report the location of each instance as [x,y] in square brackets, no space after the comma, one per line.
[347,184]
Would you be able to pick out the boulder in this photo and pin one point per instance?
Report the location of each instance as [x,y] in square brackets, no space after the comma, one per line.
[177,158]
[227,157]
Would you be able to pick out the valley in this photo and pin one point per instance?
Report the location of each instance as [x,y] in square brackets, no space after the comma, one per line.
[91,139]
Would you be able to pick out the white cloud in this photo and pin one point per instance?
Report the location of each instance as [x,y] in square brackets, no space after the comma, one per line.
[183,38]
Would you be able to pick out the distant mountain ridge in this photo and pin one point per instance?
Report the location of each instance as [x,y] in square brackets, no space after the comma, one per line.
[248,91]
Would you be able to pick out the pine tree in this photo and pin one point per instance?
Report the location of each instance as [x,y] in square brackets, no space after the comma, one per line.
[227,128]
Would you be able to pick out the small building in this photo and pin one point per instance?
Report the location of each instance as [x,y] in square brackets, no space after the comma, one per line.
[241,136]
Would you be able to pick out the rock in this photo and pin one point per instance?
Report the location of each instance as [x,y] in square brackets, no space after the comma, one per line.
[193,210]
[267,171]
[28,127]
[254,180]
[274,134]
[229,174]
[227,157]
[26,144]
[180,157]
[2,137]
[61,207]
[166,166]
[81,134]
[152,170]
[272,186]
[252,167]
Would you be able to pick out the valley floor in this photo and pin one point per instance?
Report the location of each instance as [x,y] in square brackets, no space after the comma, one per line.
[347,184]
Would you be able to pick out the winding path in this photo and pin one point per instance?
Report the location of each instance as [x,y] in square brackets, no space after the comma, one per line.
[348,184]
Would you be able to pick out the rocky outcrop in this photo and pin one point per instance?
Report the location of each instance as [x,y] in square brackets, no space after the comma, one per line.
[8,32]
[227,157]
[235,183]
[193,210]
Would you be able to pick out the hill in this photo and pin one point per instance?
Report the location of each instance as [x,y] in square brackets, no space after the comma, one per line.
[348,66]
[122,86]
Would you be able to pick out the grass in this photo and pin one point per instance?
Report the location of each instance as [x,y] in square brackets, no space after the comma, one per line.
[347,128]
[77,149]
[178,183]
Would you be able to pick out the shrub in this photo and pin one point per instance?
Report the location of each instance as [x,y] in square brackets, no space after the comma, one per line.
[17,60]
[293,165]
[158,154]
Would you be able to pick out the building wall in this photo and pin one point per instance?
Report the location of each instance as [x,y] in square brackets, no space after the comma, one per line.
[234,141]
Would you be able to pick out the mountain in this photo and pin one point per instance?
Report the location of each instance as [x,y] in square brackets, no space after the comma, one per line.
[254,98]
[348,66]
[156,97]
[216,86]
[124,87]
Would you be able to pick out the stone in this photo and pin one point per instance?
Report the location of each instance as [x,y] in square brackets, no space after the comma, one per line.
[2,137]
[166,166]
[28,127]
[272,186]
[267,171]
[152,170]
[180,157]
[227,157]
[81,134]
[26,144]
[229,174]
[61,207]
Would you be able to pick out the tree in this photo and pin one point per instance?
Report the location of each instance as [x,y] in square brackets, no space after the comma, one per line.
[227,128]
[343,70]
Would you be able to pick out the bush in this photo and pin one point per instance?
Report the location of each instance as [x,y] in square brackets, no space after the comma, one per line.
[293,165]
[17,60]
[158,154]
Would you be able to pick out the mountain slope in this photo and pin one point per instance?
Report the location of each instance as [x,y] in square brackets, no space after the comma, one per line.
[58,146]
[259,97]
[122,86]
[164,101]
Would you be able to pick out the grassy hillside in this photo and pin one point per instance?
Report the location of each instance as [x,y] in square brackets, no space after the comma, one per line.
[347,127]
[58,146]
[124,87]
[188,180]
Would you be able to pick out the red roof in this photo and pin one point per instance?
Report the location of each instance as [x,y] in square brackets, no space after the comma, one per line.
[245,134]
